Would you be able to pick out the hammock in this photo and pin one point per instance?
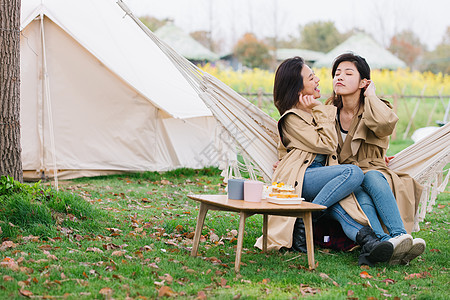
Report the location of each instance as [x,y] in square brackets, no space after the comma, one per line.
[252,135]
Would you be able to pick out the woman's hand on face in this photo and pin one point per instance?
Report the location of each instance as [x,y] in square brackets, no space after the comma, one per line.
[307,102]
[275,165]
[370,89]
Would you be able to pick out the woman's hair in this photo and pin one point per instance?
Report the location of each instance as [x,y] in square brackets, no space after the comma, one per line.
[364,72]
[288,83]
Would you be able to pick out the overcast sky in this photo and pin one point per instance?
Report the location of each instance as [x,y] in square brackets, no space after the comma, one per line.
[230,19]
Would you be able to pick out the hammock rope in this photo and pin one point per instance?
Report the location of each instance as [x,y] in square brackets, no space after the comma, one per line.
[252,135]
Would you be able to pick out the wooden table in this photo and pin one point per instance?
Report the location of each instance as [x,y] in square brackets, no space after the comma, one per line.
[247,209]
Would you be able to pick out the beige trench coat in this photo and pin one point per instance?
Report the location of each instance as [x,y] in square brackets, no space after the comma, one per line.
[304,135]
[365,146]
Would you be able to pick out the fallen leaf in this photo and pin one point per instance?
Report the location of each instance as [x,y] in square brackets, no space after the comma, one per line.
[388,281]
[213,237]
[10,264]
[25,293]
[94,249]
[7,278]
[364,274]
[118,253]
[114,230]
[417,275]
[153,265]
[31,238]
[46,247]
[435,250]
[326,277]
[223,282]
[350,293]
[201,295]
[52,257]
[26,270]
[106,291]
[168,278]
[6,245]
[166,291]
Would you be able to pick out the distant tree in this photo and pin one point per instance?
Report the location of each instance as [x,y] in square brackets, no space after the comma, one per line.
[320,36]
[204,38]
[153,23]
[407,46]
[438,60]
[10,151]
[252,52]
[289,42]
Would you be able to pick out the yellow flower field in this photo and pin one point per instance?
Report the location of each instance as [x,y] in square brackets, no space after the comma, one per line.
[402,81]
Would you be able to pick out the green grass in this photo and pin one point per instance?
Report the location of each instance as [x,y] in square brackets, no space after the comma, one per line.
[132,235]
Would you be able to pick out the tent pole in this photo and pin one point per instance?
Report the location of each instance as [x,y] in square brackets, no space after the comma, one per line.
[48,104]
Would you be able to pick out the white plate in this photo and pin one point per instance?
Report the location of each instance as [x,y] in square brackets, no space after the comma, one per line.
[286,201]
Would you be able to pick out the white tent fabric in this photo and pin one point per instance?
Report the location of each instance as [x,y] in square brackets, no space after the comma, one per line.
[98,97]
[253,134]
[425,161]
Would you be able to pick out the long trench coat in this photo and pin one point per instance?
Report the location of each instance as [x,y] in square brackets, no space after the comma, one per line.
[304,135]
[365,146]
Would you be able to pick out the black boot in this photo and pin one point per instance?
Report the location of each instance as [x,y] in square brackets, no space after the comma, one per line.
[299,236]
[372,249]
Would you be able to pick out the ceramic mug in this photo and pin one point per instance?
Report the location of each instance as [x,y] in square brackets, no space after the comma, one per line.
[253,190]
[236,189]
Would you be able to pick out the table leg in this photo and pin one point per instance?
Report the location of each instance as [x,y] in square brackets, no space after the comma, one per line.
[237,262]
[264,245]
[198,228]
[307,219]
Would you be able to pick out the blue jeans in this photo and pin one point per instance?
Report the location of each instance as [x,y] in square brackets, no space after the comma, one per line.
[377,200]
[327,185]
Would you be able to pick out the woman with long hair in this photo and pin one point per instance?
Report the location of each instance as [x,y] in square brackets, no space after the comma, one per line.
[364,124]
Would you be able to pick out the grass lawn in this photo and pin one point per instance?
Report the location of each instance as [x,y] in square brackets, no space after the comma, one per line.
[128,237]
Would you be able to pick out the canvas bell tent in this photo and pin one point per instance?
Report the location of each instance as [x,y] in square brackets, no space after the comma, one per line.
[99,97]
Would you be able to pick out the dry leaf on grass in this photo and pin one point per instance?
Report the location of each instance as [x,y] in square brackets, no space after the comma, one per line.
[10,264]
[94,249]
[364,274]
[118,253]
[25,293]
[417,275]
[6,245]
[201,295]
[107,292]
[166,291]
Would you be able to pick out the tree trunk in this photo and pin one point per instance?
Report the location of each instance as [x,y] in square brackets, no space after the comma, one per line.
[10,150]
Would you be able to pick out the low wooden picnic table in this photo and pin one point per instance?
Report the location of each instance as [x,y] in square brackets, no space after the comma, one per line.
[247,209]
